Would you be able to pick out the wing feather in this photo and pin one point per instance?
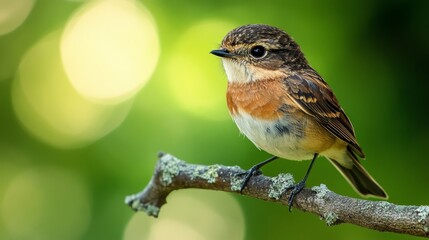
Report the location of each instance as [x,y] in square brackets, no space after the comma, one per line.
[313,95]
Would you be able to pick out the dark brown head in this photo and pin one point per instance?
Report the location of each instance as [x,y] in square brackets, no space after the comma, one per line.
[261,46]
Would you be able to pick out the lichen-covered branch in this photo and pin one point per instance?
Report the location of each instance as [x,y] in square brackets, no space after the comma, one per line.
[173,174]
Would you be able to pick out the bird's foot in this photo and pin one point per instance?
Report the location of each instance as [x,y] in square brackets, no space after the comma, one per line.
[295,189]
[254,171]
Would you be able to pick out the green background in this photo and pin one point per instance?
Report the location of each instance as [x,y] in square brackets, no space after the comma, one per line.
[374,55]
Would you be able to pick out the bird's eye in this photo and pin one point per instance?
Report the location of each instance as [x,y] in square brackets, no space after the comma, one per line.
[258,52]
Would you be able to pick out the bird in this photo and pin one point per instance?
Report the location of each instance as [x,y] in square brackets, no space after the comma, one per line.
[282,105]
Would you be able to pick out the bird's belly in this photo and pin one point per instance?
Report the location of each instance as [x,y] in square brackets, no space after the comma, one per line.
[283,137]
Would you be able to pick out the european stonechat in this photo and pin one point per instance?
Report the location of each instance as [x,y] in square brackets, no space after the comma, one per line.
[286,108]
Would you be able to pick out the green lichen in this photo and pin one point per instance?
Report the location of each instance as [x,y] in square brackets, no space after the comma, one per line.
[208,173]
[170,168]
[197,172]
[236,183]
[384,205]
[131,201]
[150,209]
[134,202]
[236,179]
[211,174]
[321,191]
[423,213]
[279,184]
[330,218]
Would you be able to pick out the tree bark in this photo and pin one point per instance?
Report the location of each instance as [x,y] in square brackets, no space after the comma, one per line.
[174,174]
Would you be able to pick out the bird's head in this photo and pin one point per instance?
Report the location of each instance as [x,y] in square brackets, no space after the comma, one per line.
[254,52]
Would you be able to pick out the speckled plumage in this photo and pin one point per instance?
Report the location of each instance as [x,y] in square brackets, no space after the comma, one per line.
[285,107]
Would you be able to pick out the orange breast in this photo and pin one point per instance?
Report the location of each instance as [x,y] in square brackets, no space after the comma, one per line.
[263,99]
[268,100]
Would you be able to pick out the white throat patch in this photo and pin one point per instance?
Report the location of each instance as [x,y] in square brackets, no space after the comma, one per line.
[245,73]
[236,72]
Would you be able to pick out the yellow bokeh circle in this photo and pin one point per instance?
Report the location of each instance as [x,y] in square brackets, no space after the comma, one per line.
[51,109]
[110,49]
[13,13]
[191,215]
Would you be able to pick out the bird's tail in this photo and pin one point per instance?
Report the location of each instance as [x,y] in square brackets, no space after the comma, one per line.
[359,178]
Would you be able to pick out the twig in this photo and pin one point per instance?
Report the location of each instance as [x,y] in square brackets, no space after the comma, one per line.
[173,174]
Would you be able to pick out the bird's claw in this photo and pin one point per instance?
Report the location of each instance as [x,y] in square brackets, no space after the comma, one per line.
[295,189]
[254,171]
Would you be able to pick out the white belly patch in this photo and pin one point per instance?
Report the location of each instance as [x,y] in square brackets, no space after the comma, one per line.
[278,137]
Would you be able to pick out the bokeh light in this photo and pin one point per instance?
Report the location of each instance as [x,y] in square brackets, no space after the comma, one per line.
[196,78]
[110,49]
[81,122]
[191,214]
[13,13]
[51,109]
[45,203]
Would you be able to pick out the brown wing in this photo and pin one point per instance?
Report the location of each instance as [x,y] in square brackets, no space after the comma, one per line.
[315,98]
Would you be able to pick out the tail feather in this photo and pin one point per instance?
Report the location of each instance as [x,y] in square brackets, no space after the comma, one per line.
[360,179]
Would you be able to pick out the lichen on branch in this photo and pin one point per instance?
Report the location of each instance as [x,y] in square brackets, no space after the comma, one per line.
[173,174]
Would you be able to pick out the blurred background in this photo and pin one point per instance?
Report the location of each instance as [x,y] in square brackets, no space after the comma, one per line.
[90,91]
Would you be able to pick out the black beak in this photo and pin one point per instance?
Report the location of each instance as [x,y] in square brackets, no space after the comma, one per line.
[222,53]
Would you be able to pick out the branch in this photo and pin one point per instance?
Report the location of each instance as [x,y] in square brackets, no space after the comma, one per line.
[173,174]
